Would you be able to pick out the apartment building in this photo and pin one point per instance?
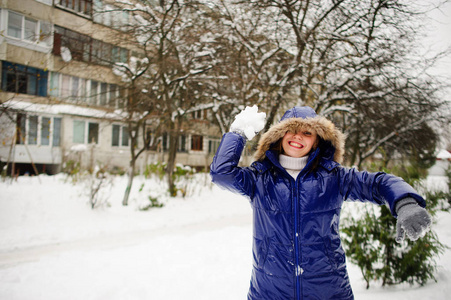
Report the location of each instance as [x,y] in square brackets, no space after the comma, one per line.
[59,95]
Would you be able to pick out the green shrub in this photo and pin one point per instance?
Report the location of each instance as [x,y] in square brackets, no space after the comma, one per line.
[370,243]
[154,203]
[158,169]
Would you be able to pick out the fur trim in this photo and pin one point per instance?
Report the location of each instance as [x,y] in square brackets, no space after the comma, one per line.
[322,126]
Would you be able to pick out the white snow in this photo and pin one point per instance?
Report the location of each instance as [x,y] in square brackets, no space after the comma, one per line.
[53,246]
[57,109]
[79,148]
[444,154]
[249,121]
[65,54]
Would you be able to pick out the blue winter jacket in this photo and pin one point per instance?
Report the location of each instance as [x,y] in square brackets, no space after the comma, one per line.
[297,252]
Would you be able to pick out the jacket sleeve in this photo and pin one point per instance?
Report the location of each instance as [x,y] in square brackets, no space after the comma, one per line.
[224,169]
[379,188]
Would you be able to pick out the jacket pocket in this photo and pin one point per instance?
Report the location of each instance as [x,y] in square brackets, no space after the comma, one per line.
[317,260]
[273,258]
[259,251]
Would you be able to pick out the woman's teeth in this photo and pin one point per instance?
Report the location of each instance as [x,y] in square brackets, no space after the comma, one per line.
[297,145]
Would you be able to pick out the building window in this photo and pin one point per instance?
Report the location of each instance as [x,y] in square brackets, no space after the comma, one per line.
[148,139]
[78,44]
[27,29]
[84,48]
[80,6]
[30,30]
[113,94]
[15,25]
[116,135]
[45,131]
[93,133]
[103,94]
[56,132]
[81,131]
[165,141]
[48,2]
[197,114]
[24,80]
[54,84]
[65,86]
[121,136]
[93,95]
[125,136]
[110,15]
[197,142]
[69,87]
[213,146]
[74,91]
[82,89]
[74,88]
[182,143]
[35,130]
[21,131]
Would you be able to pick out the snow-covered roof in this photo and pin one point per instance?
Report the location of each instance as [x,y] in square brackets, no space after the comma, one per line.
[61,109]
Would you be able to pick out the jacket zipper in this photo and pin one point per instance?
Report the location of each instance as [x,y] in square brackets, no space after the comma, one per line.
[296,244]
[297,236]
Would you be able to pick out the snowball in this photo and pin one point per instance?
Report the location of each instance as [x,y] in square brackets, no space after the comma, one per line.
[65,54]
[249,121]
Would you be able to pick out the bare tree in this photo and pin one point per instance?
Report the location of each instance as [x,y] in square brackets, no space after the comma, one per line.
[253,66]
[136,112]
[353,61]
[350,60]
[173,40]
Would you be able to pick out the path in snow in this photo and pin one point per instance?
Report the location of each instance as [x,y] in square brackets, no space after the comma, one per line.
[118,240]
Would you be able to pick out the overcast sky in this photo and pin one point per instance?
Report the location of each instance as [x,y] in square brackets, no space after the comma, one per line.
[440,35]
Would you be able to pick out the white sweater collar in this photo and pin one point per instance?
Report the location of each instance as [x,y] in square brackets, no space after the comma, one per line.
[293,165]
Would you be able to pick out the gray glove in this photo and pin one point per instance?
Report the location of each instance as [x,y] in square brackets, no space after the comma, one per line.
[413,220]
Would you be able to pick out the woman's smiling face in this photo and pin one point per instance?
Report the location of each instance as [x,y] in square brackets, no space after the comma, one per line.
[299,144]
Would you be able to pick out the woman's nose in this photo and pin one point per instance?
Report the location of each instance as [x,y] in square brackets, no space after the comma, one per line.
[298,135]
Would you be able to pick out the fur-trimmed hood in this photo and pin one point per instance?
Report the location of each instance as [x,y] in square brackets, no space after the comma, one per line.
[300,119]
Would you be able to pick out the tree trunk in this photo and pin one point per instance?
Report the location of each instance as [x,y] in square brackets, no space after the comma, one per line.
[131,176]
[173,144]
[131,168]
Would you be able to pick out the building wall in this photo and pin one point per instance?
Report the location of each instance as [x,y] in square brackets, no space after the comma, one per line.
[40,55]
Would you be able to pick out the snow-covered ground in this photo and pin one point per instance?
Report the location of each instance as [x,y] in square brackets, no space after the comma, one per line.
[53,246]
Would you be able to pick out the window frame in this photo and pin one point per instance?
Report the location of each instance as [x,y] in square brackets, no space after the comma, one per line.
[21,129]
[47,2]
[119,136]
[40,37]
[90,130]
[86,49]
[33,128]
[93,133]
[182,143]
[56,134]
[22,79]
[197,142]
[81,90]
[110,15]
[45,130]
[83,7]
[213,145]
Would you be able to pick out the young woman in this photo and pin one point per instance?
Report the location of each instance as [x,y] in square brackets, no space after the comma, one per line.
[296,187]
